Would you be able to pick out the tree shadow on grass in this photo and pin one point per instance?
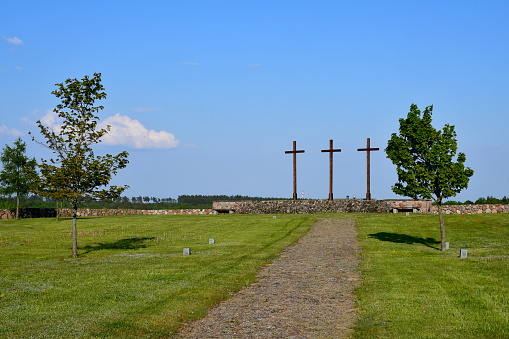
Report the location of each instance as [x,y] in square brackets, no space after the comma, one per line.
[123,244]
[404,239]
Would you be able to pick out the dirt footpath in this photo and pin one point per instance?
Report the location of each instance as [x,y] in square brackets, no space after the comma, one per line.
[305,293]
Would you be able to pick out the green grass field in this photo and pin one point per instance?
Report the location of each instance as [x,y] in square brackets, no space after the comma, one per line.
[412,290]
[131,279]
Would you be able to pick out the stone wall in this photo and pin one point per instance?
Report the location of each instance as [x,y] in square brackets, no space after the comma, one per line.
[471,209]
[51,213]
[276,207]
[303,206]
[350,206]
[410,205]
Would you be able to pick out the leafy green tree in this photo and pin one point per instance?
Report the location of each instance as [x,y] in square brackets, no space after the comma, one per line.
[76,173]
[18,176]
[425,161]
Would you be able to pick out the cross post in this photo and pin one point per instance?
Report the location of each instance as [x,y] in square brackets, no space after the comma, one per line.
[331,151]
[368,150]
[294,152]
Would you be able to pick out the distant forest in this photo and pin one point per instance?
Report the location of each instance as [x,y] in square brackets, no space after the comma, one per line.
[480,201]
[140,202]
[182,202]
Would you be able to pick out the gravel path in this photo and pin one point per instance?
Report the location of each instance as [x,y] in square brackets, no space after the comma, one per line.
[305,293]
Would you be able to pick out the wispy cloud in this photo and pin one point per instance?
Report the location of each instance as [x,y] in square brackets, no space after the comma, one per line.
[253,65]
[144,109]
[127,131]
[14,41]
[187,63]
[10,131]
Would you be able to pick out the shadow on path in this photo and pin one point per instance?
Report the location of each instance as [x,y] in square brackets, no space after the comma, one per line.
[123,244]
[404,239]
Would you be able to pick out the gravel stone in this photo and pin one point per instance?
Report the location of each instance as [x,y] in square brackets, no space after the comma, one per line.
[307,292]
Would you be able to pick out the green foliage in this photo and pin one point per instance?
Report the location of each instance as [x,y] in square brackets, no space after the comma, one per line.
[411,290]
[76,173]
[425,161]
[424,158]
[18,176]
[134,281]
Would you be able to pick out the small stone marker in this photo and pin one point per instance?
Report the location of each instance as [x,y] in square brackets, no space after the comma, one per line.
[407,214]
[212,241]
[187,251]
[274,217]
[446,245]
[463,254]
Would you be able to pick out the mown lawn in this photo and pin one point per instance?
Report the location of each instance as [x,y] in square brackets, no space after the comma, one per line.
[412,290]
[131,279]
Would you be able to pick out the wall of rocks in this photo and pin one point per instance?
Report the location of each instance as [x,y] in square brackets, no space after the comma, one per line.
[303,206]
[471,209]
[51,212]
[275,207]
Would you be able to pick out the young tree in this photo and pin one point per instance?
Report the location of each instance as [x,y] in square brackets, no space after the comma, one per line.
[18,175]
[425,162]
[77,173]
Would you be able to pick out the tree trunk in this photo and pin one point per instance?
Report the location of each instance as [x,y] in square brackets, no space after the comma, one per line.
[17,207]
[74,232]
[442,227]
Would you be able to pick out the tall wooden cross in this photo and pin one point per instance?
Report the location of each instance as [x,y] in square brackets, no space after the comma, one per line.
[368,150]
[294,152]
[331,151]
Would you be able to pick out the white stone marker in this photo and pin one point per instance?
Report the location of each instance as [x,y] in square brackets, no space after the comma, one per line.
[463,254]
[212,241]
[446,245]
[187,251]
[407,214]
[274,217]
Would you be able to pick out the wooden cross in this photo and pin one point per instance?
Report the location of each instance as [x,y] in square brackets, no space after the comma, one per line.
[368,150]
[331,151]
[294,152]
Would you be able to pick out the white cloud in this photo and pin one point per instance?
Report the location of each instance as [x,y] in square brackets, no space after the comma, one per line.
[144,109]
[124,131]
[253,65]
[51,120]
[191,63]
[10,131]
[14,41]
[127,131]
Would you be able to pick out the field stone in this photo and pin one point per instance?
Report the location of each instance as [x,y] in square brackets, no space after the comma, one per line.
[305,293]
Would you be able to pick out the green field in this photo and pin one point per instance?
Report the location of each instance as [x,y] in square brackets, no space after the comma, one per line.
[412,290]
[131,279]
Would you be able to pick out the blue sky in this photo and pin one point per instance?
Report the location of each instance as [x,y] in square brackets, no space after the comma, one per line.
[207,95]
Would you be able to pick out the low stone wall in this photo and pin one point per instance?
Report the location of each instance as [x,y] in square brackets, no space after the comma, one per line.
[409,205]
[471,209]
[303,206]
[28,213]
[86,212]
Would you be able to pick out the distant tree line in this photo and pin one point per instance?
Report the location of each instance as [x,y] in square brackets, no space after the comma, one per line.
[480,201]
